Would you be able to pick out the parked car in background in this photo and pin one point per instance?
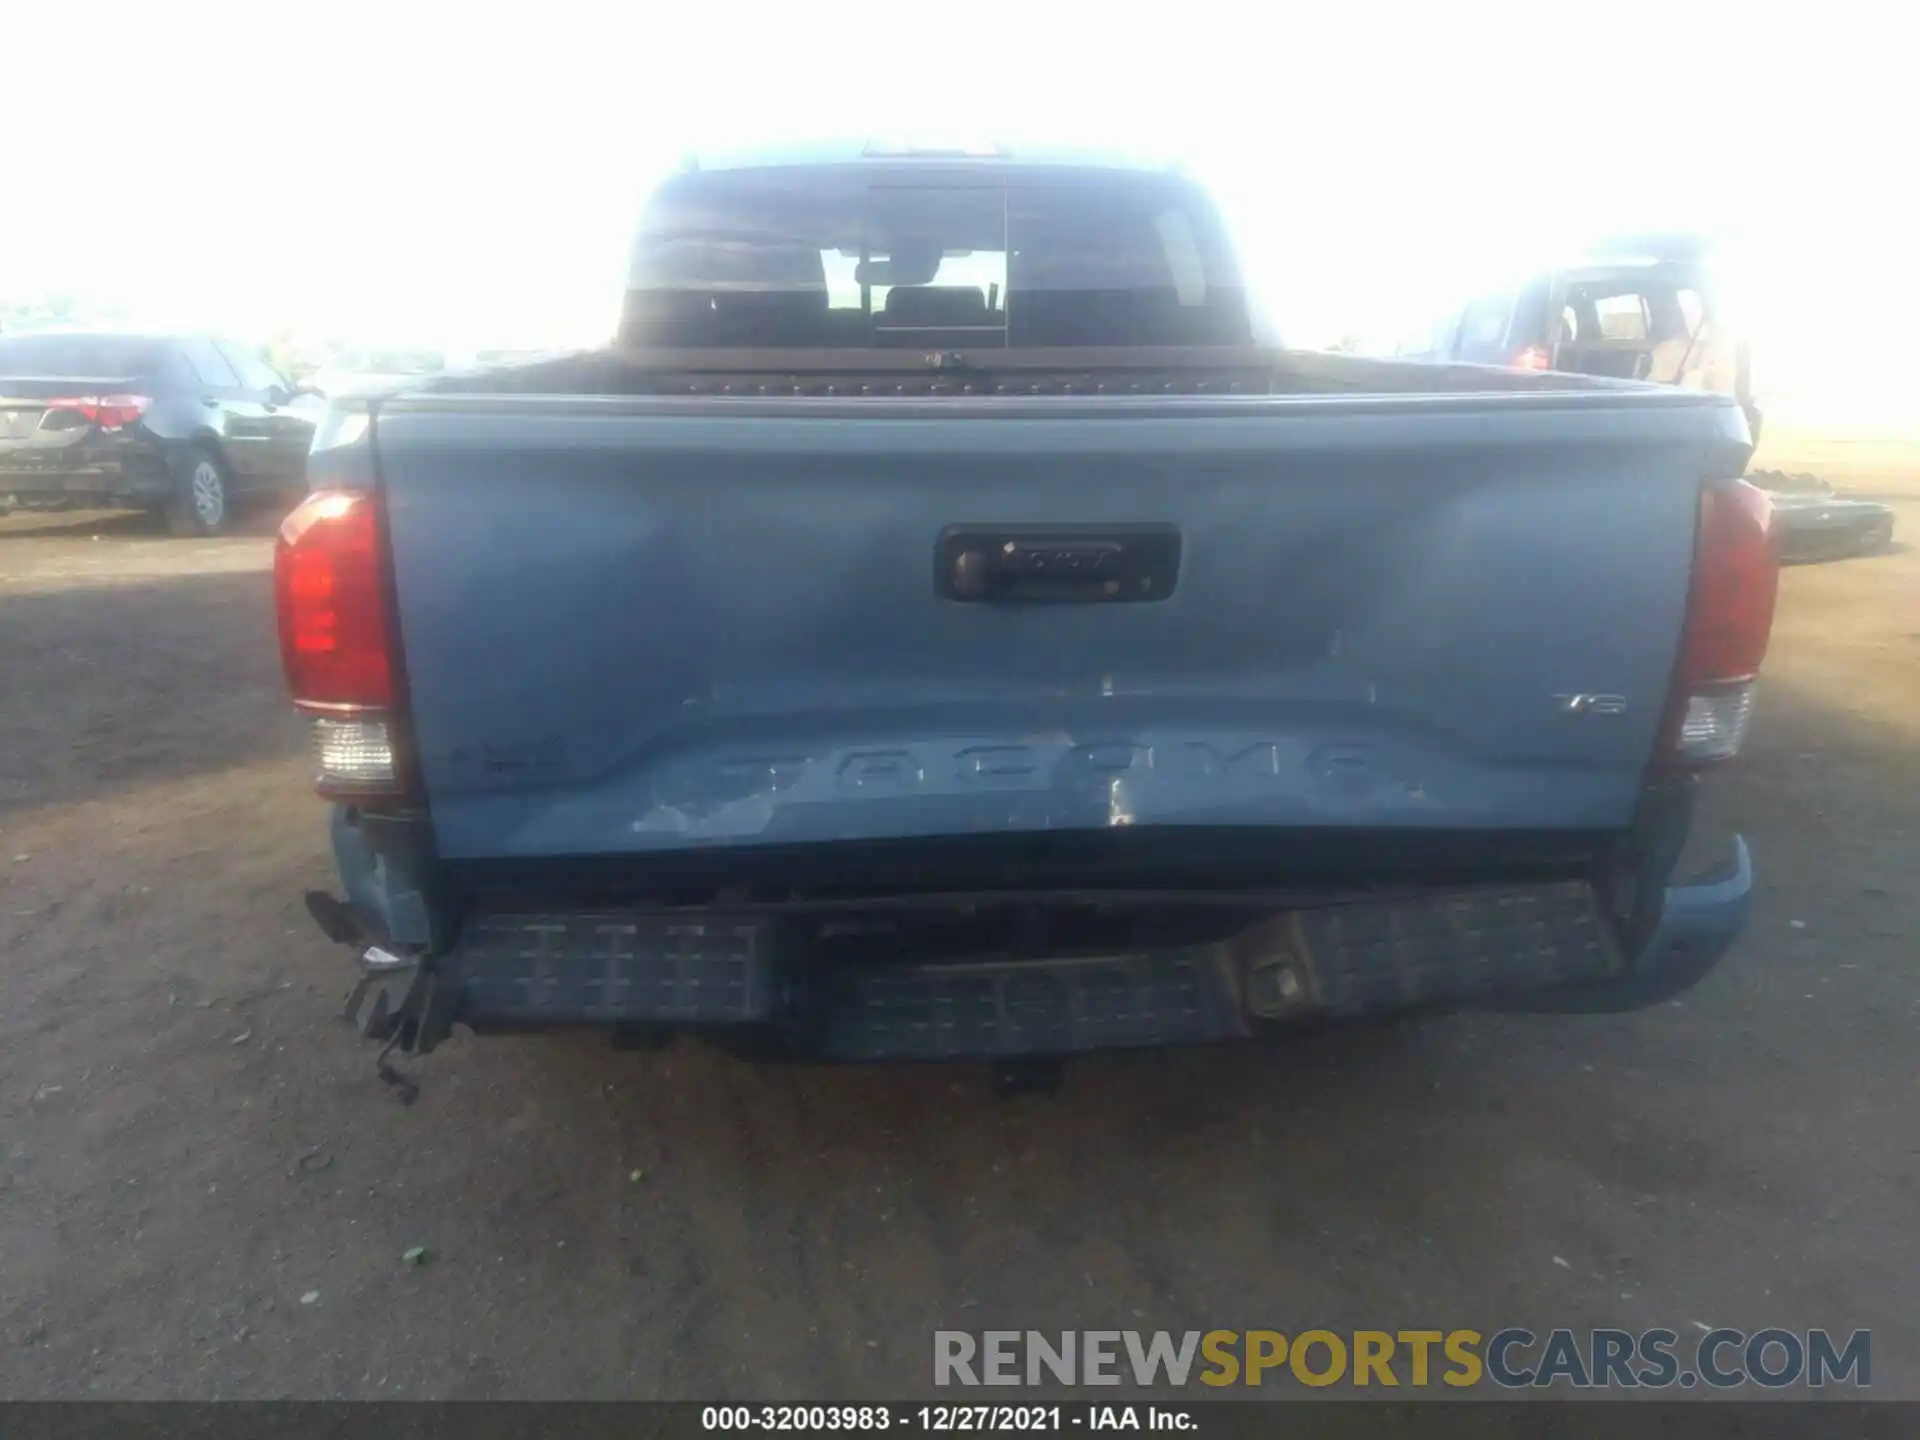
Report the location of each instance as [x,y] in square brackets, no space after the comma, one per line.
[1816,523]
[183,425]
[357,372]
[1637,308]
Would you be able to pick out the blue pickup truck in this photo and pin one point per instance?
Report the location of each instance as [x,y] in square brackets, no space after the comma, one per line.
[941,627]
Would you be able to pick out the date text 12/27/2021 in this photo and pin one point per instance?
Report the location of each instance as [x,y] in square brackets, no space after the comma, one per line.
[945,1419]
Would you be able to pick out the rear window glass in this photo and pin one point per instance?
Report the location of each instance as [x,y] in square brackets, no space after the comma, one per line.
[1622,317]
[1432,340]
[1693,310]
[96,356]
[1483,328]
[862,258]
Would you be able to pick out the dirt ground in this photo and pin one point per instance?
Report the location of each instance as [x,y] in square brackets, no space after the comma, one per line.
[191,1142]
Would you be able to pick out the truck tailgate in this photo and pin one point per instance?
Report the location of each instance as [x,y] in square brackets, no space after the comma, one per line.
[646,626]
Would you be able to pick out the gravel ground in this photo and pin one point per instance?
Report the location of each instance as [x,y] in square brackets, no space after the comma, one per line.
[204,1191]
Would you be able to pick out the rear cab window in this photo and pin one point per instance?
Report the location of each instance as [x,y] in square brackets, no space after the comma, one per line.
[1693,309]
[913,255]
[1484,327]
[1432,340]
[1623,317]
[1643,321]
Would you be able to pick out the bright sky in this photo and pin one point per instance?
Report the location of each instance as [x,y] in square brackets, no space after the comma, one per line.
[465,176]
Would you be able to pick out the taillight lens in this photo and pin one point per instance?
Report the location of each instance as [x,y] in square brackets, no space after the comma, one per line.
[1736,577]
[353,752]
[336,636]
[1534,357]
[109,412]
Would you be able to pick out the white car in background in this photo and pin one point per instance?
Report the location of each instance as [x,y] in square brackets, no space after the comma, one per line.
[359,372]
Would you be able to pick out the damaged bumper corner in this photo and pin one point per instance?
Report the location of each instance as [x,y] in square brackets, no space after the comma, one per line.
[403,1004]
[1699,921]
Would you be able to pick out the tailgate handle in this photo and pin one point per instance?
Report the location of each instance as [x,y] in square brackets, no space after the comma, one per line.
[1056,564]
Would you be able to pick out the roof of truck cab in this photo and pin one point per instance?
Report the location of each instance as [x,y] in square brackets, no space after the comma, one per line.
[870,151]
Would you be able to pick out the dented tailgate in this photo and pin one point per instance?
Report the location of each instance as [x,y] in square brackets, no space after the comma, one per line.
[635,626]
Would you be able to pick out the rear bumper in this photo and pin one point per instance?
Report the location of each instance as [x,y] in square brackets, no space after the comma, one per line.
[1537,948]
[117,470]
[1699,921]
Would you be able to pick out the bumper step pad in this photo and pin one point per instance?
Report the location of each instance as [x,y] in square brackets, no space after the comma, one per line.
[1475,945]
[637,968]
[1032,1007]
[595,966]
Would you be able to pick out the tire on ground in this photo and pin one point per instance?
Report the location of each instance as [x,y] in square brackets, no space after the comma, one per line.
[202,499]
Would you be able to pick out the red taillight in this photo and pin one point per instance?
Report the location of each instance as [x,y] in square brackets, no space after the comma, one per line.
[1534,357]
[1736,576]
[336,640]
[329,586]
[109,412]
